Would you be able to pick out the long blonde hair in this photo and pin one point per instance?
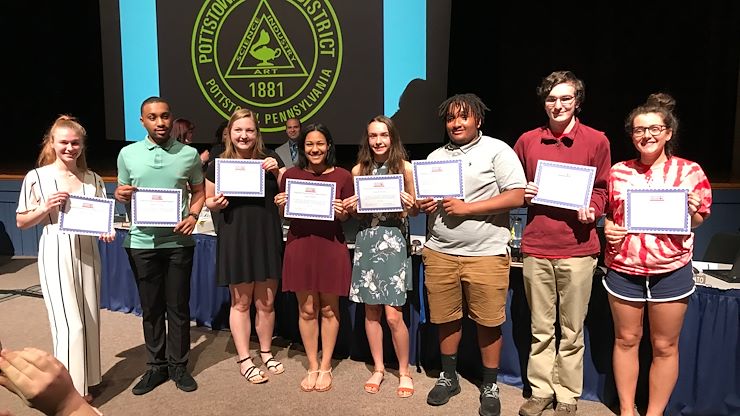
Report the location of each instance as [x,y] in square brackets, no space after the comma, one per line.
[48,156]
[258,151]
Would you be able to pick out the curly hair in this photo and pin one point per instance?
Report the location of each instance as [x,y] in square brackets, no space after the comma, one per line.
[663,105]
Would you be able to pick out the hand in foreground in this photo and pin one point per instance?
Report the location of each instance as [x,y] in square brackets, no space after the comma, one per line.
[281,199]
[339,210]
[350,204]
[586,215]
[614,233]
[186,226]
[271,165]
[408,201]
[107,238]
[427,205]
[220,201]
[42,382]
[530,192]
[56,200]
[123,193]
[694,203]
[454,206]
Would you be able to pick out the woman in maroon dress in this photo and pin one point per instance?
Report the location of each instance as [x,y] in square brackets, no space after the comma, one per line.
[316,264]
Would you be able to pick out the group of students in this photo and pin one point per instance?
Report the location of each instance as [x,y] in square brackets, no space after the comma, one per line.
[466,256]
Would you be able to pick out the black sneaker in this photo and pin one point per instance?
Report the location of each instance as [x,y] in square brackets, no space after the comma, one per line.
[183,380]
[490,404]
[443,390]
[150,380]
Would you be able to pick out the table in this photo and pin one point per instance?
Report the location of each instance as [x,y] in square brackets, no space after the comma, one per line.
[709,373]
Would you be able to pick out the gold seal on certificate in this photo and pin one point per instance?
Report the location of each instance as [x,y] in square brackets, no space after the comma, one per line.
[87,215]
[379,193]
[312,200]
[156,207]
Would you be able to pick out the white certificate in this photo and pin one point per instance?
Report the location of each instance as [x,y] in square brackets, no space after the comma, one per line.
[564,185]
[312,200]
[156,207]
[240,177]
[438,178]
[379,193]
[657,211]
[87,215]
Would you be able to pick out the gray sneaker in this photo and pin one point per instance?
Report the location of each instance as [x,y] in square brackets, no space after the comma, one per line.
[535,406]
[565,409]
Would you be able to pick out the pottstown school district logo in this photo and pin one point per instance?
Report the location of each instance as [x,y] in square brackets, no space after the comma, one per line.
[281,59]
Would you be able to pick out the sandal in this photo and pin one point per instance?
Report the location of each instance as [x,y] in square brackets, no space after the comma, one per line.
[274,366]
[253,374]
[372,387]
[404,391]
[310,387]
[328,386]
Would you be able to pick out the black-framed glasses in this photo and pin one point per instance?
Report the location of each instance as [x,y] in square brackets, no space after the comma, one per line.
[654,130]
[565,99]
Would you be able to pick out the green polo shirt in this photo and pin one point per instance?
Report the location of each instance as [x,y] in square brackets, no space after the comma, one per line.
[145,164]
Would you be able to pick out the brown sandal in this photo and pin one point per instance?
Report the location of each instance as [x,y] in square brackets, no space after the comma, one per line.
[405,392]
[373,388]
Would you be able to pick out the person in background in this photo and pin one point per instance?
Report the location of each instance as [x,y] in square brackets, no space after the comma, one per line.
[220,137]
[316,265]
[42,382]
[249,246]
[381,272]
[466,256]
[182,131]
[69,264]
[288,151]
[161,257]
[560,246]
[650,273]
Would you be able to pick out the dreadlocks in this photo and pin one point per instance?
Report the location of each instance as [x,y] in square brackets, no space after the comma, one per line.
[463,104]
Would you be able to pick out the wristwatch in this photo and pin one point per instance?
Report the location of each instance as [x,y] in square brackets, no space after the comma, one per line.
[194,215]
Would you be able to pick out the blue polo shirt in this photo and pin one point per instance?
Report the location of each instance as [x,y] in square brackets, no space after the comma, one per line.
[145,164]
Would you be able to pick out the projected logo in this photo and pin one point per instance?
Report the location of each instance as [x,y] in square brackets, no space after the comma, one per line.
[279,58]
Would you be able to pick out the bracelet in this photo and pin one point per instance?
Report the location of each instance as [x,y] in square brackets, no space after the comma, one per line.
[194,215]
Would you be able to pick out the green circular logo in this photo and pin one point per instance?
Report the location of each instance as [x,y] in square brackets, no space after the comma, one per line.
[281,59]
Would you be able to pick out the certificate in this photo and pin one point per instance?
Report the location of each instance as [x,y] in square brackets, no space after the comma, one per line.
[87,215]
[156,207]
[379,193]
[240,177]
[564,185]
[437,179]
[657,211]
[312,200]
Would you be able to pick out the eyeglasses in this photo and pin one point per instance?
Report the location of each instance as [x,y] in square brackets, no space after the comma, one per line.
[654,130]
[564,100]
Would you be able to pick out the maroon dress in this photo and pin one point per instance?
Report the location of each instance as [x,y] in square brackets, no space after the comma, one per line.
[316,256]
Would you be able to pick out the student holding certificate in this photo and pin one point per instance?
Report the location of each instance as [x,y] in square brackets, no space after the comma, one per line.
[161,257]
[250,243]
[560,246]
[381,272]
[316,265]
[466,257]
[651,272]
[69,265]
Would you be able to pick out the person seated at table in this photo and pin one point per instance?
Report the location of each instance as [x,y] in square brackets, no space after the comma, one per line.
[650,272]
[69,265]
[381,270]
[42,382]
[466,256]
[249,245]
[316,265]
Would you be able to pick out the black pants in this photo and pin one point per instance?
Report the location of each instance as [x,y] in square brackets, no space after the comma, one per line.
[163,280]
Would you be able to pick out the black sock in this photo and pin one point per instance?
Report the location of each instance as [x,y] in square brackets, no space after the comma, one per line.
[449,365]
[489,375]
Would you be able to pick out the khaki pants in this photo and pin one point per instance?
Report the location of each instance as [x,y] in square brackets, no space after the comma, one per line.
[567,283]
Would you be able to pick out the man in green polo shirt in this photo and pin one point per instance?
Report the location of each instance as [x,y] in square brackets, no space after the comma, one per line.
[162,257]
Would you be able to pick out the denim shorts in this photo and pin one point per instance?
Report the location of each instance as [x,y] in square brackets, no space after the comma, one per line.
[658,288]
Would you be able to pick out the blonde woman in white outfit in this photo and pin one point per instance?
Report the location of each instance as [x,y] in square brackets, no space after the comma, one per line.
[69,265]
